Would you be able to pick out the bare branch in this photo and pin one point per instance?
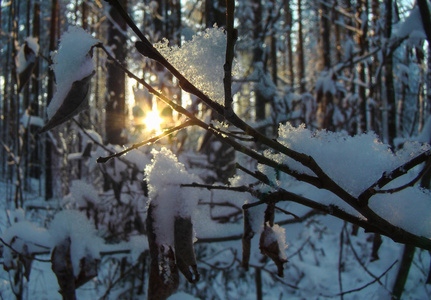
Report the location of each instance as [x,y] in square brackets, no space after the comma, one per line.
[147,142]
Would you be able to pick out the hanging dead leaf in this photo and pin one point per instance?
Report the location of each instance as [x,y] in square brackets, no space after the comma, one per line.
[377,242]
[28,62]
[74,102]
[269,246]
[184,251]
[164,277]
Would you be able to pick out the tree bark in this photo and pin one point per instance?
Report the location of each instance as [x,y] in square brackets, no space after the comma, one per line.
[50,93]
[362,8]
[389,80]
[289,23]
[301,66]
[115,121]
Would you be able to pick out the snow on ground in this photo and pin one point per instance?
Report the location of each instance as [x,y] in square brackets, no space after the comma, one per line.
[312,270]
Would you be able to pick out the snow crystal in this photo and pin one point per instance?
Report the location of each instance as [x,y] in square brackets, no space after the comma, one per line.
[72,62]
[74,225]
[200,60]
[164,176]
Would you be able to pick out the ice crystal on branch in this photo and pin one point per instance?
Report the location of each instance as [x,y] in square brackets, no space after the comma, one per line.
[200,60]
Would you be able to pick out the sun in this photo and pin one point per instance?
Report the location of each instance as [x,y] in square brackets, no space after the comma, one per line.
[153,121]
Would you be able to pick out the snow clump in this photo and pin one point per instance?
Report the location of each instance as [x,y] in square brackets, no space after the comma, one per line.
[72,62]
[83,239]
[200,60]
[169,199]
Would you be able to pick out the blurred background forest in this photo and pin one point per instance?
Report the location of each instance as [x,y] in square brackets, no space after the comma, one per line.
[342,65]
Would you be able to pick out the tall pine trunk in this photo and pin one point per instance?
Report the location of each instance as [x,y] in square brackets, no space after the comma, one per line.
[116,80]
[390,107]
[301,66]
[53,34]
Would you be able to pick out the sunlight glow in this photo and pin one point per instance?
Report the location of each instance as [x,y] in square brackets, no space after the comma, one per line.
[153,121]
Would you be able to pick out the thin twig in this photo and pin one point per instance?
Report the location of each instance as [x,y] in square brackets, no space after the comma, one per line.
[369,283]
[409,184]
[26,255]
[390,176]
[355,254]
[147,142]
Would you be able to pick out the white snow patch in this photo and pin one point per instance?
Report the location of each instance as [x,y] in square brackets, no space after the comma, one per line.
[164,176]
[72,62]
[200,60]
[411,27]
[84,241]
[355,163]
[29,120]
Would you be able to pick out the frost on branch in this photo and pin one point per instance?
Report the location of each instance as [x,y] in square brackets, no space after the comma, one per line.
[170,223]
[200,60]
[355,164]
[73,68]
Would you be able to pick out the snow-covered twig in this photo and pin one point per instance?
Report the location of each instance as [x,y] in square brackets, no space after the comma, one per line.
[388,177]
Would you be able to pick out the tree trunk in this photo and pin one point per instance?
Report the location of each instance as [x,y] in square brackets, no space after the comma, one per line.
[50,93]
[426,20]
[258,57]
[362,8]
[389,80]
[301,66]
[289,23]
[325,100]
[116,80]
[374,115]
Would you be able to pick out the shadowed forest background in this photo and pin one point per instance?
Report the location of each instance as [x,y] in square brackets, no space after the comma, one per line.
[332,70]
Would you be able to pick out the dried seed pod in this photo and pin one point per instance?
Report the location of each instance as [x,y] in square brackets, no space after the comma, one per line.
[184,251]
